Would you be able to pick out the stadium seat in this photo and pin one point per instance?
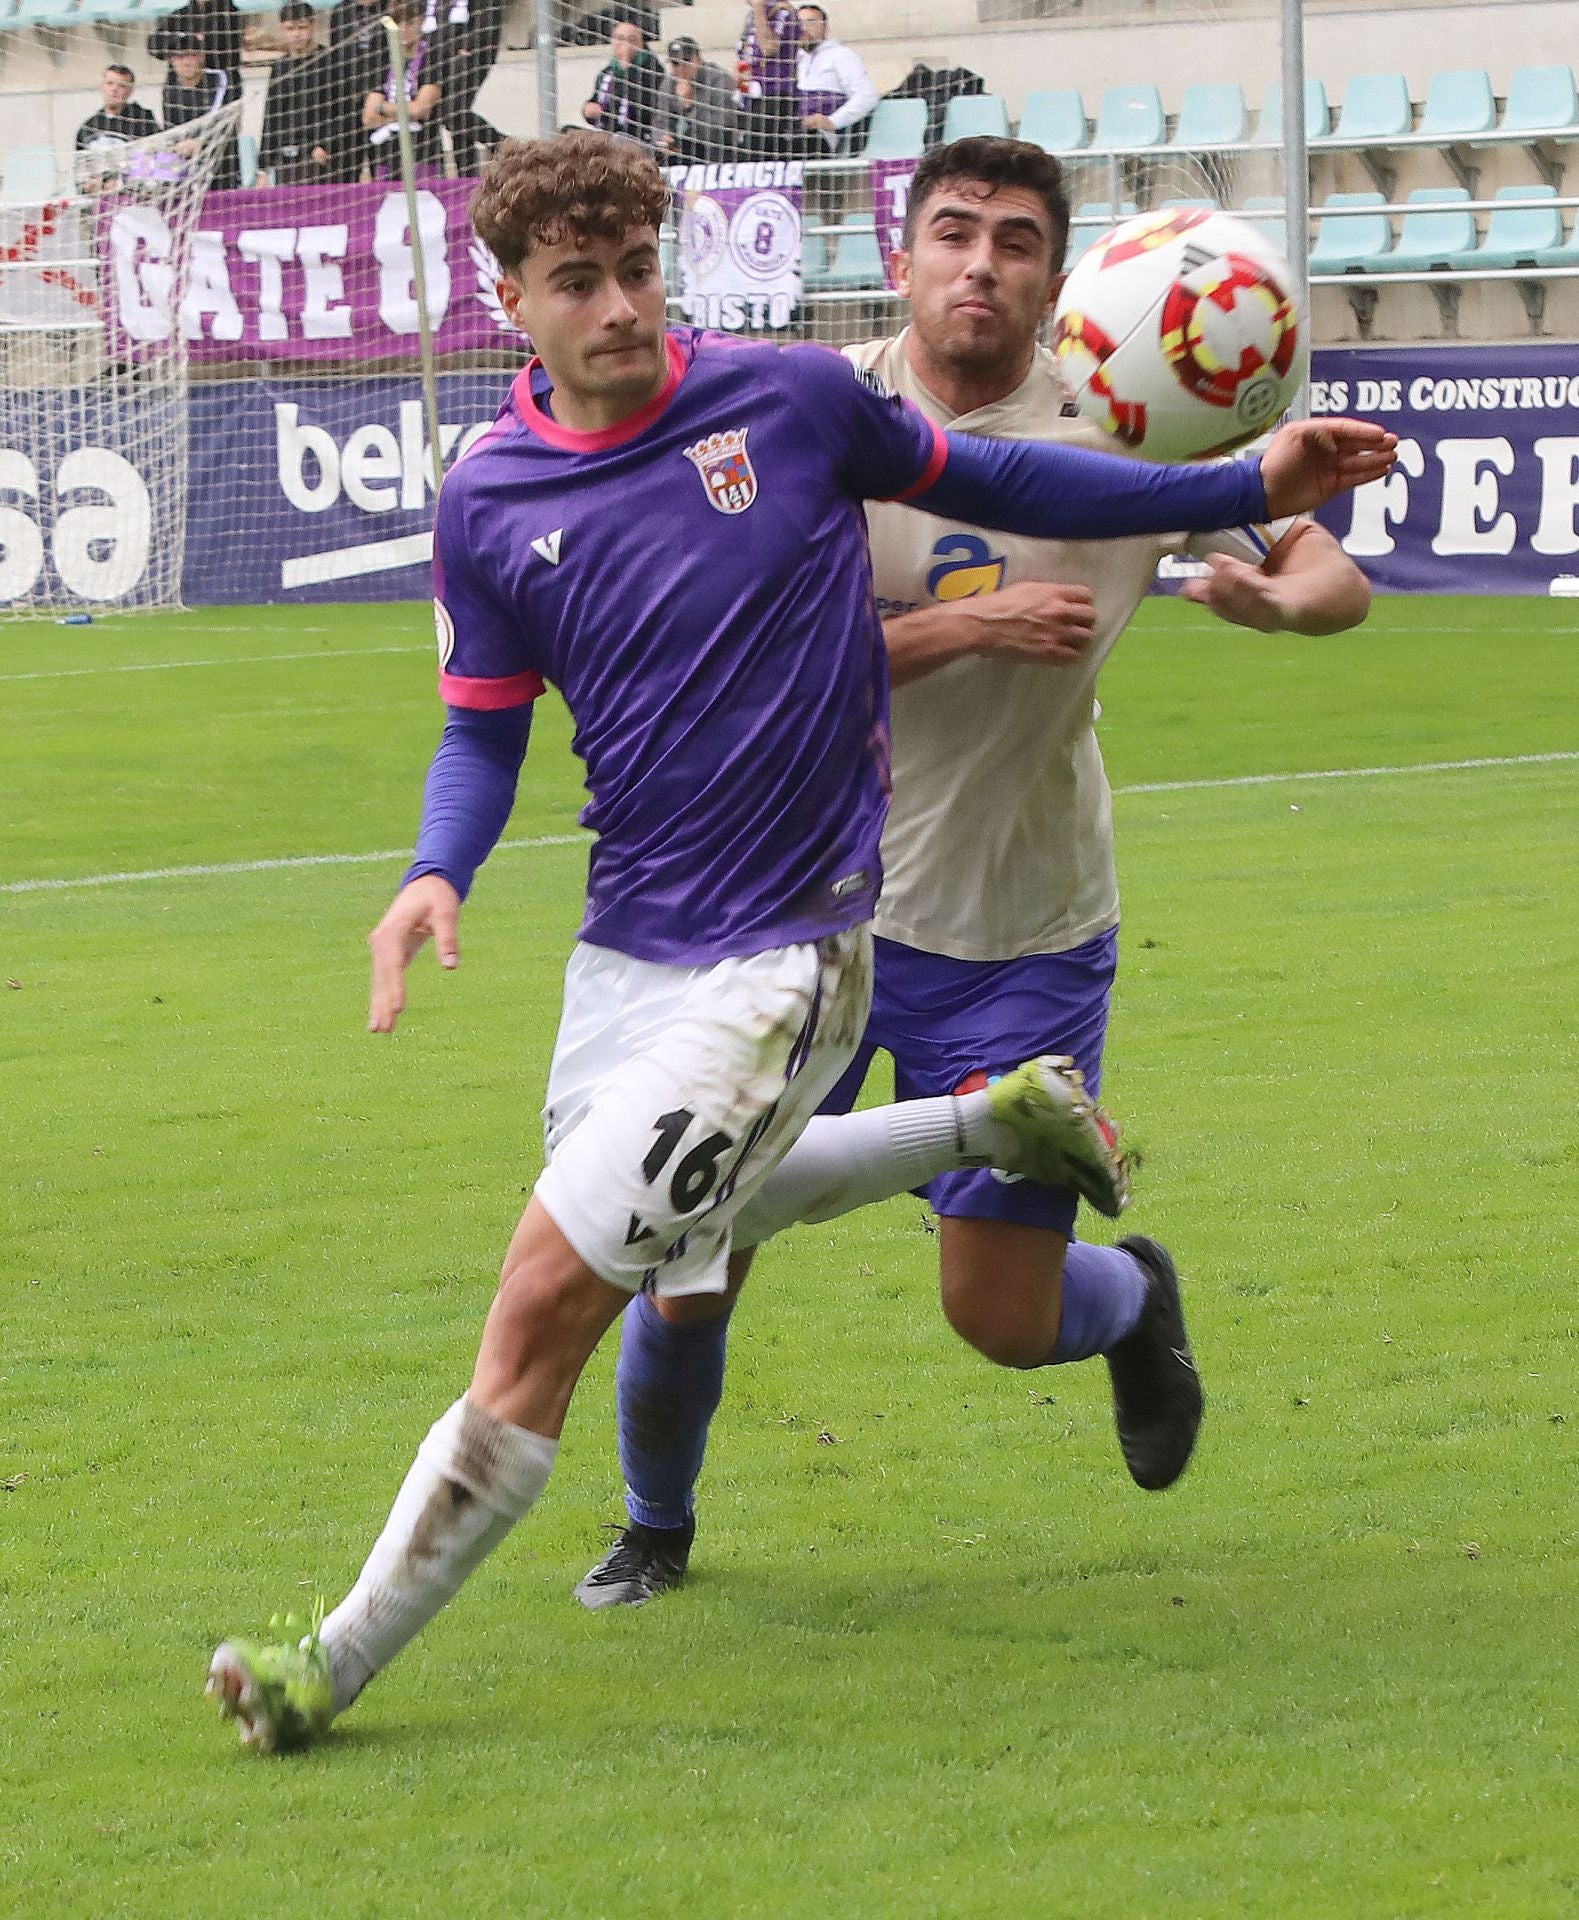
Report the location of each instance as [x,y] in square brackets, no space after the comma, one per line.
[968,115]
[44,13]
[1204,206]
[1519,236]
[1265,213]
[1130,118]
[1375,107]
[1541,100]
[855,262]
[1211,114]
[1092,218]
[1055,120]
[247,159]
[897,130]
[1459,104]
[1352,236]
[1435,239]
[1566,252]
[1318,115]
[31,174]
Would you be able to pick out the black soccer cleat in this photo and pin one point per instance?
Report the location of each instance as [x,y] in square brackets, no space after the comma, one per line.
[1157,1397]
[643,1562]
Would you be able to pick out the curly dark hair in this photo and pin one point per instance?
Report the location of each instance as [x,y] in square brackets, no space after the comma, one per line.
[995,163]
[539,192]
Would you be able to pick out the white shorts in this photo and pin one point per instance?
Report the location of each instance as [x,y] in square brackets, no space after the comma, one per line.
[675,1091]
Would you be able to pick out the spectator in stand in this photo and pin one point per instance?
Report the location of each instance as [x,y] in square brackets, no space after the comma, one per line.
[192,88]
[420,79]
[294,148]
[359,58]
[624,97]
[468,36]
[836,91]
[217,28]
[697,120]
[120,119]
[765,62]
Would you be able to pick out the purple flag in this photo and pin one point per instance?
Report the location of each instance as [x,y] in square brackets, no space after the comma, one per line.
[890,197]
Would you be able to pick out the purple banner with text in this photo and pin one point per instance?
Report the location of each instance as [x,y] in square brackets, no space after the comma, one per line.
[890,198]
[739,244]
[302,273]
[1485,496]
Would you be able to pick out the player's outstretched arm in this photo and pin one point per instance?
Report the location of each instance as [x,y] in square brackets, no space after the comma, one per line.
[425,909]
[1307,584]
[1071,493]
[1046,623]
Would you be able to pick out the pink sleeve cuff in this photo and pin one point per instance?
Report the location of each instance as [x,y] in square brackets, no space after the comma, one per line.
[932,471]
[488,696]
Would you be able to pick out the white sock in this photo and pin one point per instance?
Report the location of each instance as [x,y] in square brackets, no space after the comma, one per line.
[473,1478]
[847,1160]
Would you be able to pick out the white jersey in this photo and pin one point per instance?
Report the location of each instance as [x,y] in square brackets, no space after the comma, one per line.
[999,840]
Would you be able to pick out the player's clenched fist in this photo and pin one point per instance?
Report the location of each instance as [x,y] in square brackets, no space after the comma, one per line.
[427,909]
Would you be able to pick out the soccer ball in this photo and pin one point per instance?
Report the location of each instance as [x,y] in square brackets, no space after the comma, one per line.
[1178,334]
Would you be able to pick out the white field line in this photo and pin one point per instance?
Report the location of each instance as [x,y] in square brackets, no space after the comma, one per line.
[235,660]
[225,867]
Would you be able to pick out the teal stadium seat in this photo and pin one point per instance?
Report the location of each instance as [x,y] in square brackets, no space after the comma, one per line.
[897,130]
[1211,114]
[1519,236]
[247,161]
[1437,239]
[1566,252]
[855,265]
[1353,235]
[1318,114]
[968,115]
[1093,218]
[255,6]
[1130,118]
[44,13]
[1055,120]
[1201,206]
[1265,213]
[31,175]
[1459,104]
[1541,100]
[1375,107]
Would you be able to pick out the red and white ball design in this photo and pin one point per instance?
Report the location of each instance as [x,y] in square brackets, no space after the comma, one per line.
[1177,333]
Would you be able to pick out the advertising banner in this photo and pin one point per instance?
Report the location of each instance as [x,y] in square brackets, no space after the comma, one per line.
[740,244]
[301,273]
[310,490]
[1485,497]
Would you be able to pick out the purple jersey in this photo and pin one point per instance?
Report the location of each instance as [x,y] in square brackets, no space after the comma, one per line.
[766,75]
[695,581]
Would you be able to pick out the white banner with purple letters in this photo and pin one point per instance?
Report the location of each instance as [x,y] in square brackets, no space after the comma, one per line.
[740,244]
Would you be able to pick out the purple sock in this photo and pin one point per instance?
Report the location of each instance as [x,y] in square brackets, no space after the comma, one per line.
[668,1385]
[1104,1291]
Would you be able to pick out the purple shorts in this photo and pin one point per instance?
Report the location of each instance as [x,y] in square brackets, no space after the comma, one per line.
[951,1026]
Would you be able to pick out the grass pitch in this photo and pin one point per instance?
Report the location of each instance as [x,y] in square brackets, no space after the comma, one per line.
[938,1657]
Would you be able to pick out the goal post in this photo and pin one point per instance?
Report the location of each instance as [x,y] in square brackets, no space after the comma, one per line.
[93,389]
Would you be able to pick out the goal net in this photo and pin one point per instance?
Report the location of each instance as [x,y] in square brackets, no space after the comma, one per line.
[94,388]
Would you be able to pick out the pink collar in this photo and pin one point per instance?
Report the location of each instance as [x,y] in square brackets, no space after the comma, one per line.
[601,438]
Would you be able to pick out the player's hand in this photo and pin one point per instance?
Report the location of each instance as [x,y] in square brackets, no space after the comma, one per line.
[1237,592]
[1035,620]
[1310,462]
[427,909]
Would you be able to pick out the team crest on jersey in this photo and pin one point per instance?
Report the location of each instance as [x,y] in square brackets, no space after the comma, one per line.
[725,466]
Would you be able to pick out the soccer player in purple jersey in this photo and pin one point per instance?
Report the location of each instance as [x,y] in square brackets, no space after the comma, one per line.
[733,728]
[997,929]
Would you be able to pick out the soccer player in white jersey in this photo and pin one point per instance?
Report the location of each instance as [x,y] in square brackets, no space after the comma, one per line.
[997,924]
[733,725]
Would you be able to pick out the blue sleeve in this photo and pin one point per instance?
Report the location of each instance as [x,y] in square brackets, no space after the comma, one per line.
[470,791]
[881,445]
[1074,493]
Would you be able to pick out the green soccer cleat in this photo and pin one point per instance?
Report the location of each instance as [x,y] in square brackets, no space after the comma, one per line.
[279,1692]
[1063,1139]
